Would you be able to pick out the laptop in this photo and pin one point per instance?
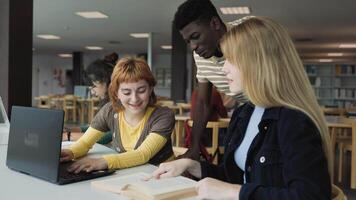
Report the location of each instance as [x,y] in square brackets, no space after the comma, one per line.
[35,145]
[4,124]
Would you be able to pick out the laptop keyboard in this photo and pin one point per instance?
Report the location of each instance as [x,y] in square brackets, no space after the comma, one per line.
[64,174]
[68,177]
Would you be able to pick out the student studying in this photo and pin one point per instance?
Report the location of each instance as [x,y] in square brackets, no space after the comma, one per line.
[277,145]
[141,130]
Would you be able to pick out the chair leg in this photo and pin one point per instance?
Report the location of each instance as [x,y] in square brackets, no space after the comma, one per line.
[341,161]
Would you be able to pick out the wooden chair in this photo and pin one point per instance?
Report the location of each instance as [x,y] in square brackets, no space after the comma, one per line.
[215,126]
[337,193]
[93,108]
[347,143]
[336,130]
[165,103]
[179,151]
[183,107]
[43,101]
[70,107]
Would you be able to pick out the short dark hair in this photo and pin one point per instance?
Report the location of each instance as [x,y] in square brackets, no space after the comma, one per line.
[194,10]
[99,71]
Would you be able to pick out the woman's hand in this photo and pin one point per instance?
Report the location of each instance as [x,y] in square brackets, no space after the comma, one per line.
[88,164]
[66,155]
[209,188]
[175,168]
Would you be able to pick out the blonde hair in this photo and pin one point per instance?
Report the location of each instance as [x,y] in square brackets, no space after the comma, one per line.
[272,72]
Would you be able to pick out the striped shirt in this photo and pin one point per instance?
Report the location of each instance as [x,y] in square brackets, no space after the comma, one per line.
[210,70]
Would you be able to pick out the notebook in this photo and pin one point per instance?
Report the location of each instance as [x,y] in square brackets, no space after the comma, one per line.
[4,124]
[35,144]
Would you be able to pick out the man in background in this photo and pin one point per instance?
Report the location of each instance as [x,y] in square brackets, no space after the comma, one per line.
[202,28]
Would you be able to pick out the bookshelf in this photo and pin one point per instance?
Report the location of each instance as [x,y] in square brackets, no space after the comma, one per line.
[334,84]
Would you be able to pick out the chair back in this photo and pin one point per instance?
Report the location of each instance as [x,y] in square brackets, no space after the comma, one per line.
[337,193]
[215,126]
[70,107]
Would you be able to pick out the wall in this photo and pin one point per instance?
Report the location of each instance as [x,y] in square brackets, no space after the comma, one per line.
[43,76]
[44,83]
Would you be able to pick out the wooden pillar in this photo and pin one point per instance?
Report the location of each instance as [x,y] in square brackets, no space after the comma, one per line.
[179,67]
[78,68]
[16,22]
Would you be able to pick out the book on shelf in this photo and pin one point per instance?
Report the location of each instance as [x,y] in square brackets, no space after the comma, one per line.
[337,69]
[317,82]
[135,187]
[337,82]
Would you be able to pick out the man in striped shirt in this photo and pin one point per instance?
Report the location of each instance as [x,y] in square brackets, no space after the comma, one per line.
[201,27]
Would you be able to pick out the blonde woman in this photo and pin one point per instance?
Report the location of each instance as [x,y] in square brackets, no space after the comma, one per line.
[277,145]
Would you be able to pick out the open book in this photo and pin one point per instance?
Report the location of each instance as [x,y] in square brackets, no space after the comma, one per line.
[136,188]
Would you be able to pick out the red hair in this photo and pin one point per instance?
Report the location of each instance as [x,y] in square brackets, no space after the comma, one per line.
[129,70]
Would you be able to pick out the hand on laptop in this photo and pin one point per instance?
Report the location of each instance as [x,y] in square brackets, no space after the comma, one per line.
[87,164]
[66,155]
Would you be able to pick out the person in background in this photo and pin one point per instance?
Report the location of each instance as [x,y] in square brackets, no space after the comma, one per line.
[202,28]
[278,145]
[141,130]
[98,76]
[218,111]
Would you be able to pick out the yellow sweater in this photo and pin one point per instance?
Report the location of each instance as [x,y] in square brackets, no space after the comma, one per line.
[132,157]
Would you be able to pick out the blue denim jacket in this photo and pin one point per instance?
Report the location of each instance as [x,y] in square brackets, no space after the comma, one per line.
[284,161]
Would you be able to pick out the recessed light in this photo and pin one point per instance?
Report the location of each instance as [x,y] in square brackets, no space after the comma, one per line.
[65,55]
[166,46]
[139,35]
[350,45]
[335,54]
[325,60]
[48,37]
[94,48]
[244,10]
[92,15]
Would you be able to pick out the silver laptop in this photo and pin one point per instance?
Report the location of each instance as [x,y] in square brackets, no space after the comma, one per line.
[4,124]
[35,145]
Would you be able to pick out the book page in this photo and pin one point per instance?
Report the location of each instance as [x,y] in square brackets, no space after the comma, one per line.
[158,187]
[117,183]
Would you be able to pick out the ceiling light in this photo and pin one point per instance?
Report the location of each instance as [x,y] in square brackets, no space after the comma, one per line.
[65,55]
[94,48]
[139,35]
[92,15]
[335,54]
[235,10]
[48,37]
[325,60]
[350,45]
[166,46]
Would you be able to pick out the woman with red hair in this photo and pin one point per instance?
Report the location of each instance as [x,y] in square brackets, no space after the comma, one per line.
[141,130]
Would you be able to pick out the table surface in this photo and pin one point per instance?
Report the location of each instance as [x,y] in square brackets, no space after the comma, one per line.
[18,186]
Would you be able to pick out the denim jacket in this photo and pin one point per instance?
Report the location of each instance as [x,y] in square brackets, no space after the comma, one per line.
[285,159]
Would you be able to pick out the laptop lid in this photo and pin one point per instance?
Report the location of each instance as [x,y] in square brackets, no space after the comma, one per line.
[4,124]
[35,141]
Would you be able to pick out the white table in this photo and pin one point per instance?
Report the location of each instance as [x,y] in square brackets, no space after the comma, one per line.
[18,186]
